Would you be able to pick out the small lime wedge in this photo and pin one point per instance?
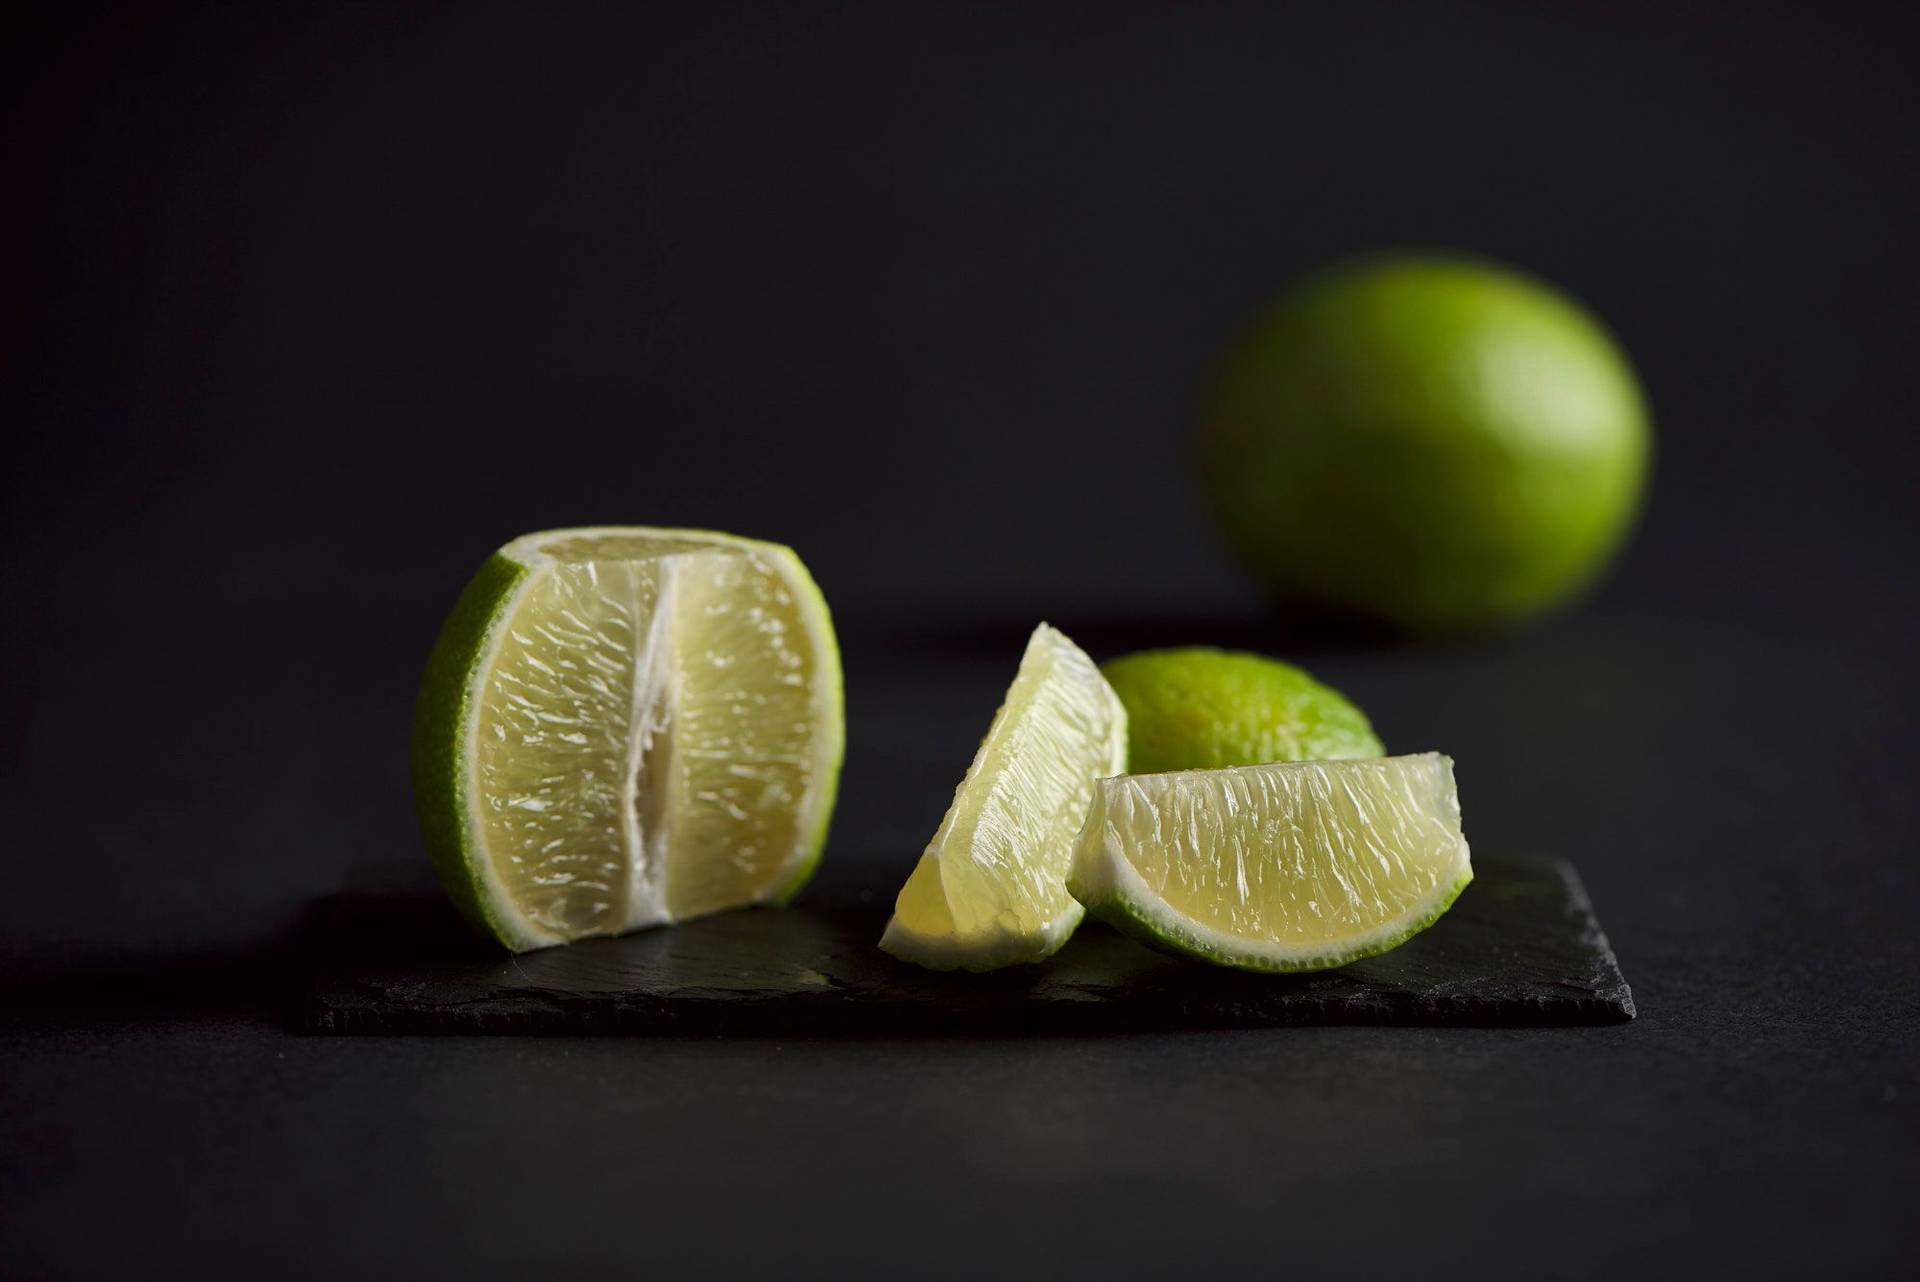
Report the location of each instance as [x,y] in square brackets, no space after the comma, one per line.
[1296,866]
[990,890]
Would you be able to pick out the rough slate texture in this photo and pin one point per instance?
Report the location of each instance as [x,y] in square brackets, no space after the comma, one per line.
[1521,946]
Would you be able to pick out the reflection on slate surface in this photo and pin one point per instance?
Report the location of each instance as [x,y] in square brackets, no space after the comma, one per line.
[1521,946]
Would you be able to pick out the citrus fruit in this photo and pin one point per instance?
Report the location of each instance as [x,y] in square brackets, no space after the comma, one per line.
[990,890]
[1199,708]
[623,726]
[1439,443]
[1293,866]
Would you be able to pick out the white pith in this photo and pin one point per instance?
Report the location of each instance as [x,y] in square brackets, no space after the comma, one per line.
[652,689]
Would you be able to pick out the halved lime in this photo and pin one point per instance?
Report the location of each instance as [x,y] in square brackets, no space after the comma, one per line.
[623,726]
[1295,866]
[990,890]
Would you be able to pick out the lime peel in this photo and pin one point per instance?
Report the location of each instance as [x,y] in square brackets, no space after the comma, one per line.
[1198,708]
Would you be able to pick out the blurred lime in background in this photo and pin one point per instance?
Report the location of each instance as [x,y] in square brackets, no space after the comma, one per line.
[1435,442]
[1200,709]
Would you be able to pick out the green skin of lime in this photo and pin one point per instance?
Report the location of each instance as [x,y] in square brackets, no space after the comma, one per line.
[1440,444]
[1202,709]
[439,731]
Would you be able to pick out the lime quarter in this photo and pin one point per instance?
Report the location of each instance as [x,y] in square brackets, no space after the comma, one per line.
[1289,867]
[990,889]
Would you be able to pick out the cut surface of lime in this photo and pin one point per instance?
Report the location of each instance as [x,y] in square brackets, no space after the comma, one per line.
[623,726]
[1294,866]
[990,889]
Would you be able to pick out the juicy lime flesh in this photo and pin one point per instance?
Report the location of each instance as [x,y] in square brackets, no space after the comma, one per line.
[550,756]
[991,887]
[742,752]
[645,734]
[1199,708]
[1306,858]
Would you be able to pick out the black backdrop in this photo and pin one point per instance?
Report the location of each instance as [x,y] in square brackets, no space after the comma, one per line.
[310,307]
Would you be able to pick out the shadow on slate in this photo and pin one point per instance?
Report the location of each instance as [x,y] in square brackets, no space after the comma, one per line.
[1520,947]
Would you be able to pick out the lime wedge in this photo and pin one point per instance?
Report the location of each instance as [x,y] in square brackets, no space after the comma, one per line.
[1295,866]
[990,890]
[621,727]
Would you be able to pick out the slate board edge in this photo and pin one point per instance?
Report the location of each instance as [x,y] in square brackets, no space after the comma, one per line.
[331,1006]
[1611,981]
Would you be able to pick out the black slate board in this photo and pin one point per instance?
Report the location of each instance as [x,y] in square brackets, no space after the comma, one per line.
[1520,947]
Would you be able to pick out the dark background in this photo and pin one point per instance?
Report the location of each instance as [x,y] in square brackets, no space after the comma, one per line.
[311,307]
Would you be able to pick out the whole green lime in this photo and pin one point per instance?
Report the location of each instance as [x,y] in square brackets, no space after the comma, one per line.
[1200,709]
[1435,442]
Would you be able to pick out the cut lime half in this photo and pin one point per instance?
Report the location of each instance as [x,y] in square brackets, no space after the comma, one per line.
[1294,866]
[990,890]
[622,726]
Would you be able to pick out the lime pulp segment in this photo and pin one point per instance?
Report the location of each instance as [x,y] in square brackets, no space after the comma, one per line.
[1291,866]
[990,889]
[624,726]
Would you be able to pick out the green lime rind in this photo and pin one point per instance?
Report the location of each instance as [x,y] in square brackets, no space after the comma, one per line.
[442,726]
[448,703]
[1168,932]
[989,890]
[1202,708]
